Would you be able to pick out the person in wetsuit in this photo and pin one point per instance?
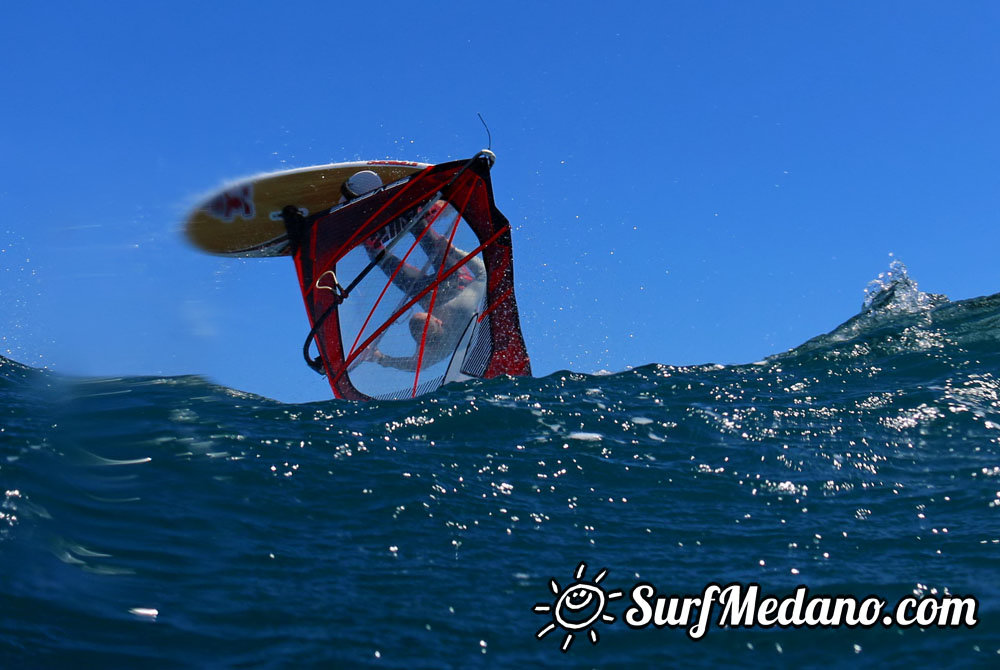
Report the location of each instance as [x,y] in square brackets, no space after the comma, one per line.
[458,296]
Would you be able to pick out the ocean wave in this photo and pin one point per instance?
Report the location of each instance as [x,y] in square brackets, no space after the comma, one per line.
[174,522]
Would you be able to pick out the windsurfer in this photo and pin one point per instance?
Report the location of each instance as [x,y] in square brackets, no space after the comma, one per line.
[454,302]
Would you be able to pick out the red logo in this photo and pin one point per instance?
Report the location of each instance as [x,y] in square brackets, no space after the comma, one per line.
[230,204]
[399,163]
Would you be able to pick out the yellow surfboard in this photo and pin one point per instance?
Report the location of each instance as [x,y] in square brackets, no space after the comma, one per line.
[244,217]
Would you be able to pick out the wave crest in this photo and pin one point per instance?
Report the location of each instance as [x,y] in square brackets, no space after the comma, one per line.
[898,318]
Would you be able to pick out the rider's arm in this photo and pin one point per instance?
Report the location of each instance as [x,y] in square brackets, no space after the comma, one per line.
[408,363]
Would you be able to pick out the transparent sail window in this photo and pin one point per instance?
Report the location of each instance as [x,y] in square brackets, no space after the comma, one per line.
[408,326]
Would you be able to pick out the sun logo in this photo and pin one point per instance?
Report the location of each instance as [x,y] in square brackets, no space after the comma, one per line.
[577,607]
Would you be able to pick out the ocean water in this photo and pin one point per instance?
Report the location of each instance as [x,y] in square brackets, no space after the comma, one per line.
[169,522]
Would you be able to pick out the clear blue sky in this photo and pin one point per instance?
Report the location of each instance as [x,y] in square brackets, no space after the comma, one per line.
[689,182]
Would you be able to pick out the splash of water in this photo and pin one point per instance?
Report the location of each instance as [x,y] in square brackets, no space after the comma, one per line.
[896,292]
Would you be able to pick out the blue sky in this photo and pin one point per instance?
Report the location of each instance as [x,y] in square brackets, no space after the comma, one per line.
[689,182]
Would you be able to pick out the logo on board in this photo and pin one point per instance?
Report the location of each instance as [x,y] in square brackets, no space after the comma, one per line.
[229,204]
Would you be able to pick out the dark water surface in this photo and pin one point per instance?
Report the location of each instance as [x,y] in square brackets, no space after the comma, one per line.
[173,523]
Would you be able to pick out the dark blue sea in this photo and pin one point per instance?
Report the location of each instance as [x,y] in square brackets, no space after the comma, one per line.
[170,522]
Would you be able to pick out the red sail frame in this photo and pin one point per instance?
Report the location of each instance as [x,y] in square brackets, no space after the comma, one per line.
[329,238]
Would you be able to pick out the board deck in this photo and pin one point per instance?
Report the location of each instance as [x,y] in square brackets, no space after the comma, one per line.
[244,217]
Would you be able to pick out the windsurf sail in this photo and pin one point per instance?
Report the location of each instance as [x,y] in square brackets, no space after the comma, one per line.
[410,285]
